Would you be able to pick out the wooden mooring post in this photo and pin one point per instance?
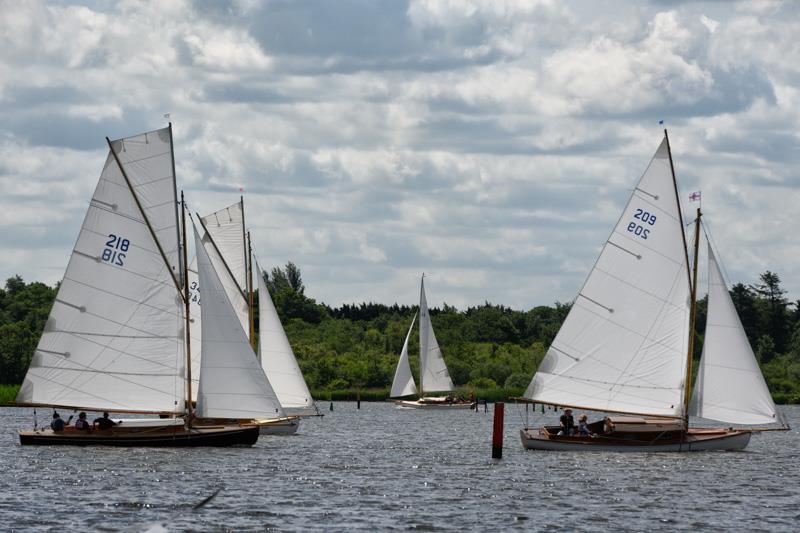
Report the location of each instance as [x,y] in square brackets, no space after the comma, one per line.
[497,433]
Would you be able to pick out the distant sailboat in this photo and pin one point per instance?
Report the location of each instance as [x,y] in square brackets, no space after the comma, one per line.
[115,339]
[625,346]
[434,376]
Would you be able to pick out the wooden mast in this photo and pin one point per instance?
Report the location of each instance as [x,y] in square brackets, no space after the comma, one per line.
[690,348]
[250,296]
[189,411]
[692,315]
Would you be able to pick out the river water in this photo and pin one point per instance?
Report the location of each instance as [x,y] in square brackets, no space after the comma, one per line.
[383,468]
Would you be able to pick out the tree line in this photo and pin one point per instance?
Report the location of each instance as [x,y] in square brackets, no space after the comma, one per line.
[356,346]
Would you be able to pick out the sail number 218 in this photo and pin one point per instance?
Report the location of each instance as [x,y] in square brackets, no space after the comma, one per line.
[639,229]
[115,250]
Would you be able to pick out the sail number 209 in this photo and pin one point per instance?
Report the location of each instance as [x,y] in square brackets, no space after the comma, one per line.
[115,250]
[639,229]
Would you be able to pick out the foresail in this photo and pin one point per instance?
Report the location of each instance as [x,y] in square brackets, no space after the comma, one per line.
[232,382]
[114,337]
[730,386]
[231,287]
[623,344]
[433,370]
[226,228]
[403,382]
[277,357]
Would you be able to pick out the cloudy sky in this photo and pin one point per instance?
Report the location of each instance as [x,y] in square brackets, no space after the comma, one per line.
[491,144]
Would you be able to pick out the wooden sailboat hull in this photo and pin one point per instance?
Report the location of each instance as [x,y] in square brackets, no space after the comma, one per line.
[696,440]
[144,437]
[444,406]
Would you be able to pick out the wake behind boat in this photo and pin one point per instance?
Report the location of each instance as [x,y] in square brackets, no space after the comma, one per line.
[626,345]
[433,370]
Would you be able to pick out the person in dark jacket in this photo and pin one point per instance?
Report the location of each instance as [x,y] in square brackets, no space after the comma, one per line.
[58,423]
[567,423]
[104,422]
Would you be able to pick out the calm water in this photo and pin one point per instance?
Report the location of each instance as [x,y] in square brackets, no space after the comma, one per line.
[382,468]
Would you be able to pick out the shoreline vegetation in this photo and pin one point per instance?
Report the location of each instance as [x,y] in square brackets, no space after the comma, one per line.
[350,352]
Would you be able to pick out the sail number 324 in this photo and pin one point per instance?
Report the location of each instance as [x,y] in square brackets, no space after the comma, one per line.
[647,219]
[115,250]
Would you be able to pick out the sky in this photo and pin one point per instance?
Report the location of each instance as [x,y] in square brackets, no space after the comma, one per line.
[490,144]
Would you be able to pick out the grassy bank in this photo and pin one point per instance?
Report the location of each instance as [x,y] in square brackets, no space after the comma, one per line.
[8,393]
[382,394]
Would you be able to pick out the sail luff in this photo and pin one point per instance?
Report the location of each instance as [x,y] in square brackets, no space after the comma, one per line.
[181,242]
[187,303]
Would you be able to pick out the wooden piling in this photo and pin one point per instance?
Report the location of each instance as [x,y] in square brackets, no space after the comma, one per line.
[497,433]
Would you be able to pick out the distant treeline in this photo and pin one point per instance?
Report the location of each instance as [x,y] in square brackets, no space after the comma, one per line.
[355,347]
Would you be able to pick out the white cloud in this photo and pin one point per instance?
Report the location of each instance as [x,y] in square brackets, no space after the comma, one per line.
[489,144]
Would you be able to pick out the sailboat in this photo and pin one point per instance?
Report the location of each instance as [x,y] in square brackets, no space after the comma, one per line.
[626,344]
[227,243]
[432,368]
[116,337]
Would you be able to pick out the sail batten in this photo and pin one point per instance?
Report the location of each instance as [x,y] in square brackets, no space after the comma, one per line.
[622,346]
[729,385]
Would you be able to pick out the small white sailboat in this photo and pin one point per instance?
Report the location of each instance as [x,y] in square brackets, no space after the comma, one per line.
[434,376]
[116,338]
[626,344]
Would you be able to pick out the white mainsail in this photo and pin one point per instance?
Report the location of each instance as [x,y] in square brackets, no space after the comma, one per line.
[232,382]
[278,359]
[623,344]
[403,382]
[730,386]
[114,337]
[433,371]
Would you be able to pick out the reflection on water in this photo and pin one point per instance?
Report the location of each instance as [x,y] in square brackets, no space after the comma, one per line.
[387,468]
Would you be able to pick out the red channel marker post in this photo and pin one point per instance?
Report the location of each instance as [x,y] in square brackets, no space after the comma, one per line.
[497,434]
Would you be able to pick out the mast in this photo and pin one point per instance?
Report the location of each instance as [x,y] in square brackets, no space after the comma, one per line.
[144,217]
[692,286]
[216,249]
[188,321]
[421,357]
[692,314]
[250,297]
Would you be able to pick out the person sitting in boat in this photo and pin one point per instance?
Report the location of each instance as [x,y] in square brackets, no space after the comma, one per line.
[58,423]
[583,426]
[567,423]
[102,423]
[81,423]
